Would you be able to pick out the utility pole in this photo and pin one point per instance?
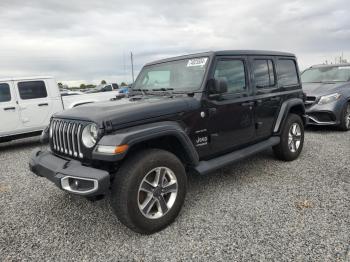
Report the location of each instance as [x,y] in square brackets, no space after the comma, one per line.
[124,66]
[132,66]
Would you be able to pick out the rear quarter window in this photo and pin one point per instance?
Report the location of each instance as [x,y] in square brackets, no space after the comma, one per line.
[5,93]
[287,72]
[32,90]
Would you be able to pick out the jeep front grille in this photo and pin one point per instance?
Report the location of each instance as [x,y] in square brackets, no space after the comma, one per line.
[65,137]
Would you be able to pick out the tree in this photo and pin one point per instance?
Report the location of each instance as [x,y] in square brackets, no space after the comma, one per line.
[103,82]
[123,84]
[82,86]
[90,86]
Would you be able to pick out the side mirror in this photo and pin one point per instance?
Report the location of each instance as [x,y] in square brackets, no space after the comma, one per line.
[216,87]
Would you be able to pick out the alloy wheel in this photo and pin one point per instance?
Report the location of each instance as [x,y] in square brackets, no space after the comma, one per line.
[294,137]
[347,117]
[157,192]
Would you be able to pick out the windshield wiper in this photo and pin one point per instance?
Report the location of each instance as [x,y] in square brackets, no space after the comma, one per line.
[163,89]
[324,82]
[334,81]
[140,89]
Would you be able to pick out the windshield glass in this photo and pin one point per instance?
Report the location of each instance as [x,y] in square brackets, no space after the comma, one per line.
[184,75]
[326,74]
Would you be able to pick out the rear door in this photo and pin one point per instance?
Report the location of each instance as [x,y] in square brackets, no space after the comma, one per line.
[267,94]
[34,103]
[9,113]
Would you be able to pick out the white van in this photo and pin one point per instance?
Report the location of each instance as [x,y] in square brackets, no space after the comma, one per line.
[26,105]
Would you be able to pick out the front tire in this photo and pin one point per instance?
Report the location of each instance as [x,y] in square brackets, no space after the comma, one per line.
[292,139]
[149,190]
[345,118]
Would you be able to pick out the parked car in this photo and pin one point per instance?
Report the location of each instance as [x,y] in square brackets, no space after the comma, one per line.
[195,113]
[104,88]
[27,104]
[327,89]
[124,90]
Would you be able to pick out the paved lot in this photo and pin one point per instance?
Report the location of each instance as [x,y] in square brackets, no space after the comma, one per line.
[259,209]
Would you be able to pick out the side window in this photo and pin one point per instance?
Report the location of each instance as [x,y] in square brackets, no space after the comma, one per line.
[5,94]
[263,73]
[287,72]
[32,90]
[233,72]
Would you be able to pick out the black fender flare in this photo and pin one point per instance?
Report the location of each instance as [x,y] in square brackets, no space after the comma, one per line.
[284,111]
[134,135]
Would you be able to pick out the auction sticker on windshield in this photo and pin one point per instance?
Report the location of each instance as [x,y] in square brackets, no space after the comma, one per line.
[197,62]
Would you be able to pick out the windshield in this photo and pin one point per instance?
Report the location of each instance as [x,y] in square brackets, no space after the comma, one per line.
[184,75]
[326,74]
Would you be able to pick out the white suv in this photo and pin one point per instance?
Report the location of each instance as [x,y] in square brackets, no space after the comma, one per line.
[27,104]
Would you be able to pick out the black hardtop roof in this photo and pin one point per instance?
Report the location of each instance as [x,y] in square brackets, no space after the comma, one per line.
[225,53]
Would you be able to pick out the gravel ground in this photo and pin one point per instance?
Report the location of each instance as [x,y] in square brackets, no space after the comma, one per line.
[259,209]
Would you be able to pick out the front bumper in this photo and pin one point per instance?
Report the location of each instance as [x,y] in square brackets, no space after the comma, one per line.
[324,115]
[69,174]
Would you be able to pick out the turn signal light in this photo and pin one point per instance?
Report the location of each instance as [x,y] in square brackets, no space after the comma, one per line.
[112,149]
[121,149]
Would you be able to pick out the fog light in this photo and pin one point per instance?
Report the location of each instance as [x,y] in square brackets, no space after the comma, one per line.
[79,185]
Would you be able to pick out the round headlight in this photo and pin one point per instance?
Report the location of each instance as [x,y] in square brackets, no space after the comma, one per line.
[89,135]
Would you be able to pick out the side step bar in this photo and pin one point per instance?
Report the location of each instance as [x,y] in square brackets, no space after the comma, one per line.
[205,167]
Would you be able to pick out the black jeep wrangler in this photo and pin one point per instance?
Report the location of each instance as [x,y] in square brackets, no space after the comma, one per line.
[194,113]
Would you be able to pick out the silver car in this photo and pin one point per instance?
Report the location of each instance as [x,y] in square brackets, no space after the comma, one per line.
[327,89]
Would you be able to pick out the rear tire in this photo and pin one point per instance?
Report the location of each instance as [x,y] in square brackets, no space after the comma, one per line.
[292,139]
[345,118]
[148,191]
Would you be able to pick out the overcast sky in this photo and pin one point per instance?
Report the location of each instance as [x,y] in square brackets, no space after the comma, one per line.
[86,41]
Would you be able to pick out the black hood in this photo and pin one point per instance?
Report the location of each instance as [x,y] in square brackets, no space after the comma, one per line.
[320,89]
[121,112]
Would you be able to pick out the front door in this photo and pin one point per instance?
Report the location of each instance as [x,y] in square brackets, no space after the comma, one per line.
[267,97]
[34,103]
[9,114]
[230,117]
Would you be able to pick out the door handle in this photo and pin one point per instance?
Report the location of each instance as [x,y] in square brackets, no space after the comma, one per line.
[275,98]
[9,108]
[43,104]
[248,103]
